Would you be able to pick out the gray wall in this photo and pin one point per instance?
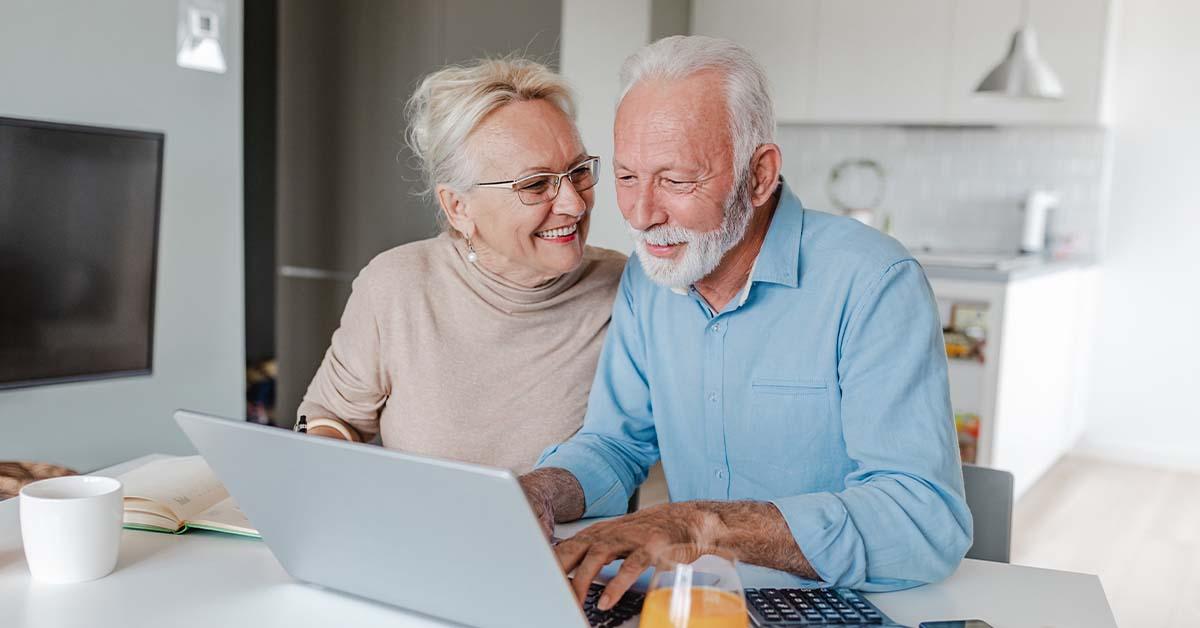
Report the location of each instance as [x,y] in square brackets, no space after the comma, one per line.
[113,63]
[345,182]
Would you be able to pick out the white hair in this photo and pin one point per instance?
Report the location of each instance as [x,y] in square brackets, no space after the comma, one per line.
[450,103]
[751,124]
[747,96]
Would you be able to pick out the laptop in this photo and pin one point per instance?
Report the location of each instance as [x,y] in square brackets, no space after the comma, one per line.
[446,539]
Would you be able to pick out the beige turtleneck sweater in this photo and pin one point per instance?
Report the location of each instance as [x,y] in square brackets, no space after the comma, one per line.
[445,359]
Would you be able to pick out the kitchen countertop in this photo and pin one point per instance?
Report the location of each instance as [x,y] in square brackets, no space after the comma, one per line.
[1016,271]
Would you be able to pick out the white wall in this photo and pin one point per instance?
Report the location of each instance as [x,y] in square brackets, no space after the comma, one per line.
[1144,401]
[596,38]
[958,188]
[113,63]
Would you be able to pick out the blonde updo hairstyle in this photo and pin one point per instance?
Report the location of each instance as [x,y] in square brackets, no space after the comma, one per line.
[450,103]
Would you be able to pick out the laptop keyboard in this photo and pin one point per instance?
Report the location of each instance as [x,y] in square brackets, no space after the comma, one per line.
[629,605]
[812,607]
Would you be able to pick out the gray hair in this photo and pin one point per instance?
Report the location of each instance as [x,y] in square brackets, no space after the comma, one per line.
[450,103]
[747,96]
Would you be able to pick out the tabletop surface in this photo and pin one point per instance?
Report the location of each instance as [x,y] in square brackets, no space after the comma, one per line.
[204,579]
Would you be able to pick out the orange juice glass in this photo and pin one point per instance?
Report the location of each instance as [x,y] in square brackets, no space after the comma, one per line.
[694,588]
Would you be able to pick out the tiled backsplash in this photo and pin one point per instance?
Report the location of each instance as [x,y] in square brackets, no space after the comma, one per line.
[960,187]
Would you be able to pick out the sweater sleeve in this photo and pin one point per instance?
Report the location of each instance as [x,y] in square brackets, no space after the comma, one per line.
[349,385]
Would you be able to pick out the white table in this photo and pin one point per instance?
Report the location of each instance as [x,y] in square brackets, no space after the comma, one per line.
[206,580]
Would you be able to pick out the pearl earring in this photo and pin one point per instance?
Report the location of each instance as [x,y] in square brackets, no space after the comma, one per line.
[472,256]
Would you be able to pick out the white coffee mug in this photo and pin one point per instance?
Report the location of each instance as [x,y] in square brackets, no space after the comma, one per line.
[71,527]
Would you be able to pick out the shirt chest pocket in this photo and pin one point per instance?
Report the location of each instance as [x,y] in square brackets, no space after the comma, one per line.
[789,420]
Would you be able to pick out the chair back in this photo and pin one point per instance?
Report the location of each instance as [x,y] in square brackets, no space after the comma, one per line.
[990,498]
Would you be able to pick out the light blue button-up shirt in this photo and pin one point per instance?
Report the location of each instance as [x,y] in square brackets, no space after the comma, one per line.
[822,390]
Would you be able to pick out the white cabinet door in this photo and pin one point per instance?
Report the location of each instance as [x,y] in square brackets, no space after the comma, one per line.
[882,61]
[782,36]
[913,61]
[1035,398]
[1072,36]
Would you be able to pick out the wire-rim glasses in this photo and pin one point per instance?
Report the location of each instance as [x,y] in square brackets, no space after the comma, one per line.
[543,187]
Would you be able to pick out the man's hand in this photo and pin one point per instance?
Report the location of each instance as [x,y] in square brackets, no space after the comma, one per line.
[754,532]
[639,538]
[554,495]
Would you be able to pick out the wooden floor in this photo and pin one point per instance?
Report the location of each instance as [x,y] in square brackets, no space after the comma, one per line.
[1138,528]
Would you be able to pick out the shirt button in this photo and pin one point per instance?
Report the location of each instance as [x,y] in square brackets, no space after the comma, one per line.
[716,328]
[712,397]
[720,474]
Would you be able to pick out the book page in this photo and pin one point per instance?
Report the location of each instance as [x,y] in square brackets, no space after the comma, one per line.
[224,516]
[147,508]
[183,486]
[155,523]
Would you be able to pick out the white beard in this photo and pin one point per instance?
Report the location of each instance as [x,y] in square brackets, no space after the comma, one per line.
[704,250]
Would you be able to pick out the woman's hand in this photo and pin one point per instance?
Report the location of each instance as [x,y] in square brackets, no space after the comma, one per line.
[326,432]
[333,428]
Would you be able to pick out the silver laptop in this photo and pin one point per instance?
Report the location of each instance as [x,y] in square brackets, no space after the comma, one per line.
[447,539]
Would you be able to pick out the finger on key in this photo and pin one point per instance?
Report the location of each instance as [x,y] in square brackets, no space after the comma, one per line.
[597,557]
[630,570]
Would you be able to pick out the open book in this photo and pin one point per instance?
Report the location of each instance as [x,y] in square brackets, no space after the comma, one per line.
[175,494]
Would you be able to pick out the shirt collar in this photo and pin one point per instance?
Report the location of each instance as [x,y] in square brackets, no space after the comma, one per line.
[778,259]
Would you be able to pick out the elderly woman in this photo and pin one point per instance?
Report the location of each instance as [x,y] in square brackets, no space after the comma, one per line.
[479,344]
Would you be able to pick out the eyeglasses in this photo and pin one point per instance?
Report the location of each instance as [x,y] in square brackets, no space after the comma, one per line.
[542,187]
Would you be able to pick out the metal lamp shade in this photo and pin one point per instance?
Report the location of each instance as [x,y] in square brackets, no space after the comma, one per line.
[1023,73]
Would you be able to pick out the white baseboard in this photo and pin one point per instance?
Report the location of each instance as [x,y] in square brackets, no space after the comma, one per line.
[1181,459]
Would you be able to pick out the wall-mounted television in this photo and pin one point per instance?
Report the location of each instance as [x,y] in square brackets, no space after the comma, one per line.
[79,213]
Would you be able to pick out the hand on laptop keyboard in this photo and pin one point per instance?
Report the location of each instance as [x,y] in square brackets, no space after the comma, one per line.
[629,605]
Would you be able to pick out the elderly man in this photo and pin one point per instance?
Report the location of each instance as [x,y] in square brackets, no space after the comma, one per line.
[785,365]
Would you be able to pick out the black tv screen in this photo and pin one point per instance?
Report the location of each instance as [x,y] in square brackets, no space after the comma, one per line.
[79,211]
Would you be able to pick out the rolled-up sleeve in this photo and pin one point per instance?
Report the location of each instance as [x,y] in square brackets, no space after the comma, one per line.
[614,450]
[902,519]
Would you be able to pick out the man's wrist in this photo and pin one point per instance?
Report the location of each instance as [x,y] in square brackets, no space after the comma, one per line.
[756,532]
[704,524]
[533,485]
[558,490]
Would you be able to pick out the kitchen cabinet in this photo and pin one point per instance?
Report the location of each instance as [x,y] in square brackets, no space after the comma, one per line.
[1072,36]
[881,61]
[782,36]
[913,61]
[1027,390]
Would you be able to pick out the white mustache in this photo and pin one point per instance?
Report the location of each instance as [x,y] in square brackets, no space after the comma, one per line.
[665,235]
